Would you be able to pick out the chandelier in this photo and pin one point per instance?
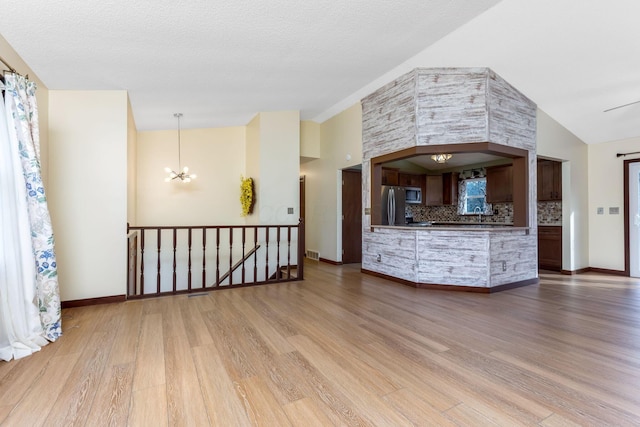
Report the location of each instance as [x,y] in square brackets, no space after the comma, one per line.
[183,175]
[441,158]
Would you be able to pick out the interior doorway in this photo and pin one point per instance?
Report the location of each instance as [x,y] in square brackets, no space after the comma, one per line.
[351,216]
[632,217]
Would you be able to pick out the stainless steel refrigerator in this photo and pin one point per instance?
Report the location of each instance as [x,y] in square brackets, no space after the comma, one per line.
[393,201]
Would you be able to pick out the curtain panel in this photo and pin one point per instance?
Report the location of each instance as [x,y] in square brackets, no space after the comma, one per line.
[30,312]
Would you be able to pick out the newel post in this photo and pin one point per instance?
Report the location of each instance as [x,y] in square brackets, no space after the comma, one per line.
[301,249]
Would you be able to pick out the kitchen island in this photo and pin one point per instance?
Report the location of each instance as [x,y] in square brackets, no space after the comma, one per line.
[469,257]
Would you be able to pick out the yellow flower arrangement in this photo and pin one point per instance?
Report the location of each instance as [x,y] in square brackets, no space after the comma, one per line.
[246,195]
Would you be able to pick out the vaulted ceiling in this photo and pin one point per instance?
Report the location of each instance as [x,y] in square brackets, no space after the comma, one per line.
[220,63]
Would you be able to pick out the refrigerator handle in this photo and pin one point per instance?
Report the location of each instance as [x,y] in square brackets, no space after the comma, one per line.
[392,207]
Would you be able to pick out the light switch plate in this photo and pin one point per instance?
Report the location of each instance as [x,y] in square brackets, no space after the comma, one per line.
[614,211]
[600,211]
[367,211]
[290,211]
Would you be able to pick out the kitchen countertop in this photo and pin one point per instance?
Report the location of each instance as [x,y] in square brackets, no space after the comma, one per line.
[466,226]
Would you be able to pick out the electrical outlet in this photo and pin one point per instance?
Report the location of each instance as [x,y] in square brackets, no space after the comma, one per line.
[504,265]
[600,211]
[379,258]
[290,211]
[614,211]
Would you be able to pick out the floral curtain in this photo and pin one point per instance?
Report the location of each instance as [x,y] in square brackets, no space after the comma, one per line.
[30,314]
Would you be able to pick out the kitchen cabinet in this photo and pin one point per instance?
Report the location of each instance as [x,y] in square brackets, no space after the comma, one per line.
[410,180]
[499,184]
[389,176]
[433,193]
[550,248]
[450,188]
[549,180]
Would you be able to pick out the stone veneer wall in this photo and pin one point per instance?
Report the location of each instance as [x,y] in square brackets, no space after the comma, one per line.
[447,106]
[436,106]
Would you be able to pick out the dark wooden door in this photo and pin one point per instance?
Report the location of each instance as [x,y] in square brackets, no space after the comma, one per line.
[351,216]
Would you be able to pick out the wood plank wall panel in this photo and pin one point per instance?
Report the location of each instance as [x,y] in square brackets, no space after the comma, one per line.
[388,118]
[453,257]
[451,106]
[446,106]
[512,116]
[518,251]
[397,249]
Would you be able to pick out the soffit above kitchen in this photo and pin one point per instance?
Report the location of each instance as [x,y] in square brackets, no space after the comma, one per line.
[222,62]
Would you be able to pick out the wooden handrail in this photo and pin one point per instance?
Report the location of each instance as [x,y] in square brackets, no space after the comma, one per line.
[236,265]
[173,252]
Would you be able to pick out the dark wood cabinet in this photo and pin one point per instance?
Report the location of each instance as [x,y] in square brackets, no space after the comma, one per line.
[450,188]
[549,180]
[499,184]
[410,180]
[433,193]
[550,248]
[390,176]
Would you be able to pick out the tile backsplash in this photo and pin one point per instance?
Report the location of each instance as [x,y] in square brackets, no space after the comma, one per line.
[548,213]
[503,213]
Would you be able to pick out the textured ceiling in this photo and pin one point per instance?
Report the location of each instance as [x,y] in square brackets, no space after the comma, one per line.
[222,62]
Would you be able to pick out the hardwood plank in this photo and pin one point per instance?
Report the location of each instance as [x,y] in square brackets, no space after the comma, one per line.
[218,390]
[197,332]
[74,401]
[342,348]
[221,402]
[304,412]
[185,405]
[413,407]
[126,346]
[150,365]
[25,374]
[463,415]
[556,420]
[333,402]
[260,403]
[35,406]
[149,407]
[4,412]
[369,406]
[113,398]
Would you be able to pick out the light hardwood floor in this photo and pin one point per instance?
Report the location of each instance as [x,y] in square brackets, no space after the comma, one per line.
[342,348]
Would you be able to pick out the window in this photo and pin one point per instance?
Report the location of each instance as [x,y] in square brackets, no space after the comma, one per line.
[472,197]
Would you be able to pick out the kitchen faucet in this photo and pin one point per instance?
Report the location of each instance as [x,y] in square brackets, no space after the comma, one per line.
[478,210]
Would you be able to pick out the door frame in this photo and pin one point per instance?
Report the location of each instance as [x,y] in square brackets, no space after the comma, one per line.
[627,240]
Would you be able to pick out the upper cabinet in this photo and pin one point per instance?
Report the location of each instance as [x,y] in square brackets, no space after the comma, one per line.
[499,184]
[450,188]
[433,195]
[549,180]
[410,180]
[390,176]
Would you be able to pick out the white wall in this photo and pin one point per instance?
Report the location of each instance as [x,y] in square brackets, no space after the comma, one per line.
[88,191]
[606,189]
[556,142]
[274,155]
[132,153]
[252,166]
[340,136]
[216,156]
